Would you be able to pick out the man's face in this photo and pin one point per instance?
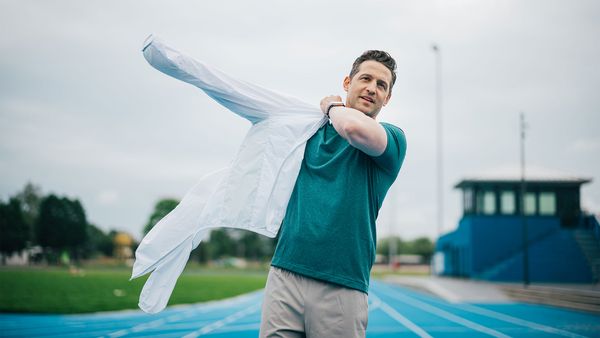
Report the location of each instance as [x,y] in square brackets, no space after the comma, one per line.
[369,89]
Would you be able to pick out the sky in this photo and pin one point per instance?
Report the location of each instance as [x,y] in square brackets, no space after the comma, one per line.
[83,115]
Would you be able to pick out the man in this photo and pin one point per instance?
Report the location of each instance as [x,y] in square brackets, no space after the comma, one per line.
[319,279]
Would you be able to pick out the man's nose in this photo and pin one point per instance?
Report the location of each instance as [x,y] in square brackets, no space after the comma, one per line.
[371,88]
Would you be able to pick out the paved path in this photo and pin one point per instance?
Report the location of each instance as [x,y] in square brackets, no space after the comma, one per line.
[454,290]
[393,312]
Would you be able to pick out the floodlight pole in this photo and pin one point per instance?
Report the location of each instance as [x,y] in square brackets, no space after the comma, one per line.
[440,163]
[392,249]
[523,215]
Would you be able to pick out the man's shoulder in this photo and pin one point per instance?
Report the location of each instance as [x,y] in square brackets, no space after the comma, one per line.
[395,130]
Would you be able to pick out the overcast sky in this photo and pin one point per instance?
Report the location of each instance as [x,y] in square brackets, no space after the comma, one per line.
[83,115]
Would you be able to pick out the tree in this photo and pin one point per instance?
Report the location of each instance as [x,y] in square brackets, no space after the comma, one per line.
[30,198]
[383,247]
[98,243]
[221,244]
[106,245]
[422,246]
[254,246]
[202,253]
[77,234]
[249,245]
[61,225]
[161,209]
[15,232]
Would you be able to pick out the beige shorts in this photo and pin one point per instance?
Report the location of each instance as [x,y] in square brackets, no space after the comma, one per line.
[298,306]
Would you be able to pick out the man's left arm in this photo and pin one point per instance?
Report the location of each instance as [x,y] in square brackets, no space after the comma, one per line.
[360,130]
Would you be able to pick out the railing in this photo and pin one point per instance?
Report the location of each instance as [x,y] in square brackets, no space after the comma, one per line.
[591,223]
[596,227]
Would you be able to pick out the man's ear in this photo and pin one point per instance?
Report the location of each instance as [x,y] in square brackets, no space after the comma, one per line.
[387,99]
[346,83]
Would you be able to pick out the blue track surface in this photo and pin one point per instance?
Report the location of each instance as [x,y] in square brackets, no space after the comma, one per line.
[393,312]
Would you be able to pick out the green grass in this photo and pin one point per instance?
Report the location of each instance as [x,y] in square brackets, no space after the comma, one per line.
[56,290]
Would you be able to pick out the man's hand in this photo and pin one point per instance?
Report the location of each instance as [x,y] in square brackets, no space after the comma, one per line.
[327,100]
[361,131]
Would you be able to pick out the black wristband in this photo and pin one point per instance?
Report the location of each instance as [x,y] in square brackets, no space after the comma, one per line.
[334,104]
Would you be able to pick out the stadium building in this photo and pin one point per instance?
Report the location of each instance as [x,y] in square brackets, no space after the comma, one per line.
[562,242]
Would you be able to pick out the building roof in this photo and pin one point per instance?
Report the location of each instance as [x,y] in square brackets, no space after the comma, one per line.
[532,175]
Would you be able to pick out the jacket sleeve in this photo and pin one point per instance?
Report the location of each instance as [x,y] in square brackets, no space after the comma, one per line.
[247,100]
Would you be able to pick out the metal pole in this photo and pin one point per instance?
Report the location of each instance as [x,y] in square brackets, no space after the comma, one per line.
[523,216]
[440,163]
[392,244]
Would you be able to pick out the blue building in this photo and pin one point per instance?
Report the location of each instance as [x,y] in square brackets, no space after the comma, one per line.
[563,243]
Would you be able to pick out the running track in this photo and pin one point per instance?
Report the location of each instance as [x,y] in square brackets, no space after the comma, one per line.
[393,312]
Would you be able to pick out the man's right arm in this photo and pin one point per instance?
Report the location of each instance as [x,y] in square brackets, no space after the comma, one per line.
[361,131]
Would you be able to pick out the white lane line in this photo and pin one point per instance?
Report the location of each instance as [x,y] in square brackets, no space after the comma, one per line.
[238,328]
[159,322]
[220,323]
[398,317]
[152,324]
[374,303]
[445,314]
[443,292]
[139,327]
[518,321]
[188,311]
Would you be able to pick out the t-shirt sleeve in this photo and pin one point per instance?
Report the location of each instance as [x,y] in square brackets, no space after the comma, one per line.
[393,156]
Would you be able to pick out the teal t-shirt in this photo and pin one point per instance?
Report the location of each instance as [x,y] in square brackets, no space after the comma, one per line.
[328,232]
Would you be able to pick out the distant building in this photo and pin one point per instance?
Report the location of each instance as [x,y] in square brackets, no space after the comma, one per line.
[23,257]
[123,245]
[563,243]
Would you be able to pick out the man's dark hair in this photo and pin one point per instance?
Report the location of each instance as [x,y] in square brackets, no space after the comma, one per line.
[379,56]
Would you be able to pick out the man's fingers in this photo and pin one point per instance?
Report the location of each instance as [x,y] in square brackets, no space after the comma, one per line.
[327,100]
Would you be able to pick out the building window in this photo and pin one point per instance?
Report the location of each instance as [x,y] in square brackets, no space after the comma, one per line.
[507,202]
[547,203]
[468,200]
[530,205]
[489,203]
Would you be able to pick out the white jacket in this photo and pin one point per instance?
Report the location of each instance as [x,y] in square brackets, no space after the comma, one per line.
[251,193]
